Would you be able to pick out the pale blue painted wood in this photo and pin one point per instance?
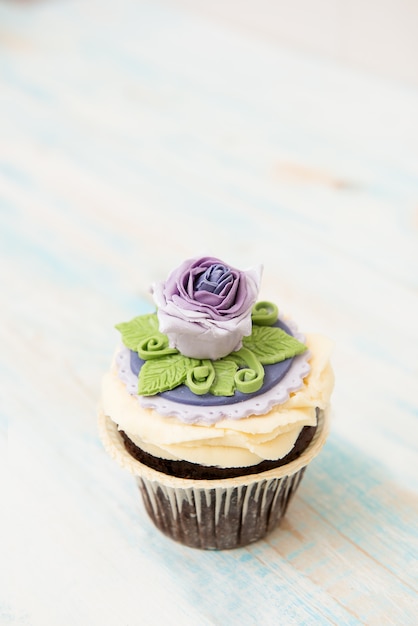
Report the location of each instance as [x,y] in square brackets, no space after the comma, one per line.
[135,135]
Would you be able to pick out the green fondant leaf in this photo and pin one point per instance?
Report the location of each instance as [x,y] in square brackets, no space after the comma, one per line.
[139,329]
[236,358]
[272,345]
[224,384]
[162,374]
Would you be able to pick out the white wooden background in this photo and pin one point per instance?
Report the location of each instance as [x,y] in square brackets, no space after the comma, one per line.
[378,36]
[134,135]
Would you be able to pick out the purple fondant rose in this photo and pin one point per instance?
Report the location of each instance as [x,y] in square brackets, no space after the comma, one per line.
[204,307]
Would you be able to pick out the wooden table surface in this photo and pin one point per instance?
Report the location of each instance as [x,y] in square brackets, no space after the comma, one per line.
[135,135]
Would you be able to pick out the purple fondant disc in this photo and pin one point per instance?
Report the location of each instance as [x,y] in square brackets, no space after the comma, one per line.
[272,375]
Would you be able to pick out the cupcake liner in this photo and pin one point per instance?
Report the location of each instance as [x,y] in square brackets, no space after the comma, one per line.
[215,514]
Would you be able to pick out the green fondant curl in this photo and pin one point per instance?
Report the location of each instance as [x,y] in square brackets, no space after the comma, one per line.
[249,378]
[154,347]
[200,379]
[264,313]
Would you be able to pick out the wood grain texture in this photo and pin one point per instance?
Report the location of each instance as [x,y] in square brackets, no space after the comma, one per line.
[131,137]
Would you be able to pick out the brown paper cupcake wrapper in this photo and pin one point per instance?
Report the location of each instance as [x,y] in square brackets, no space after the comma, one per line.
[215,514]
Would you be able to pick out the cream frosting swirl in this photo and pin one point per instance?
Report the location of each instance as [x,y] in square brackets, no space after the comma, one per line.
[229,442]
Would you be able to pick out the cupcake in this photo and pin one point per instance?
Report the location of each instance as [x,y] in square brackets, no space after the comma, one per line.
[216,404]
